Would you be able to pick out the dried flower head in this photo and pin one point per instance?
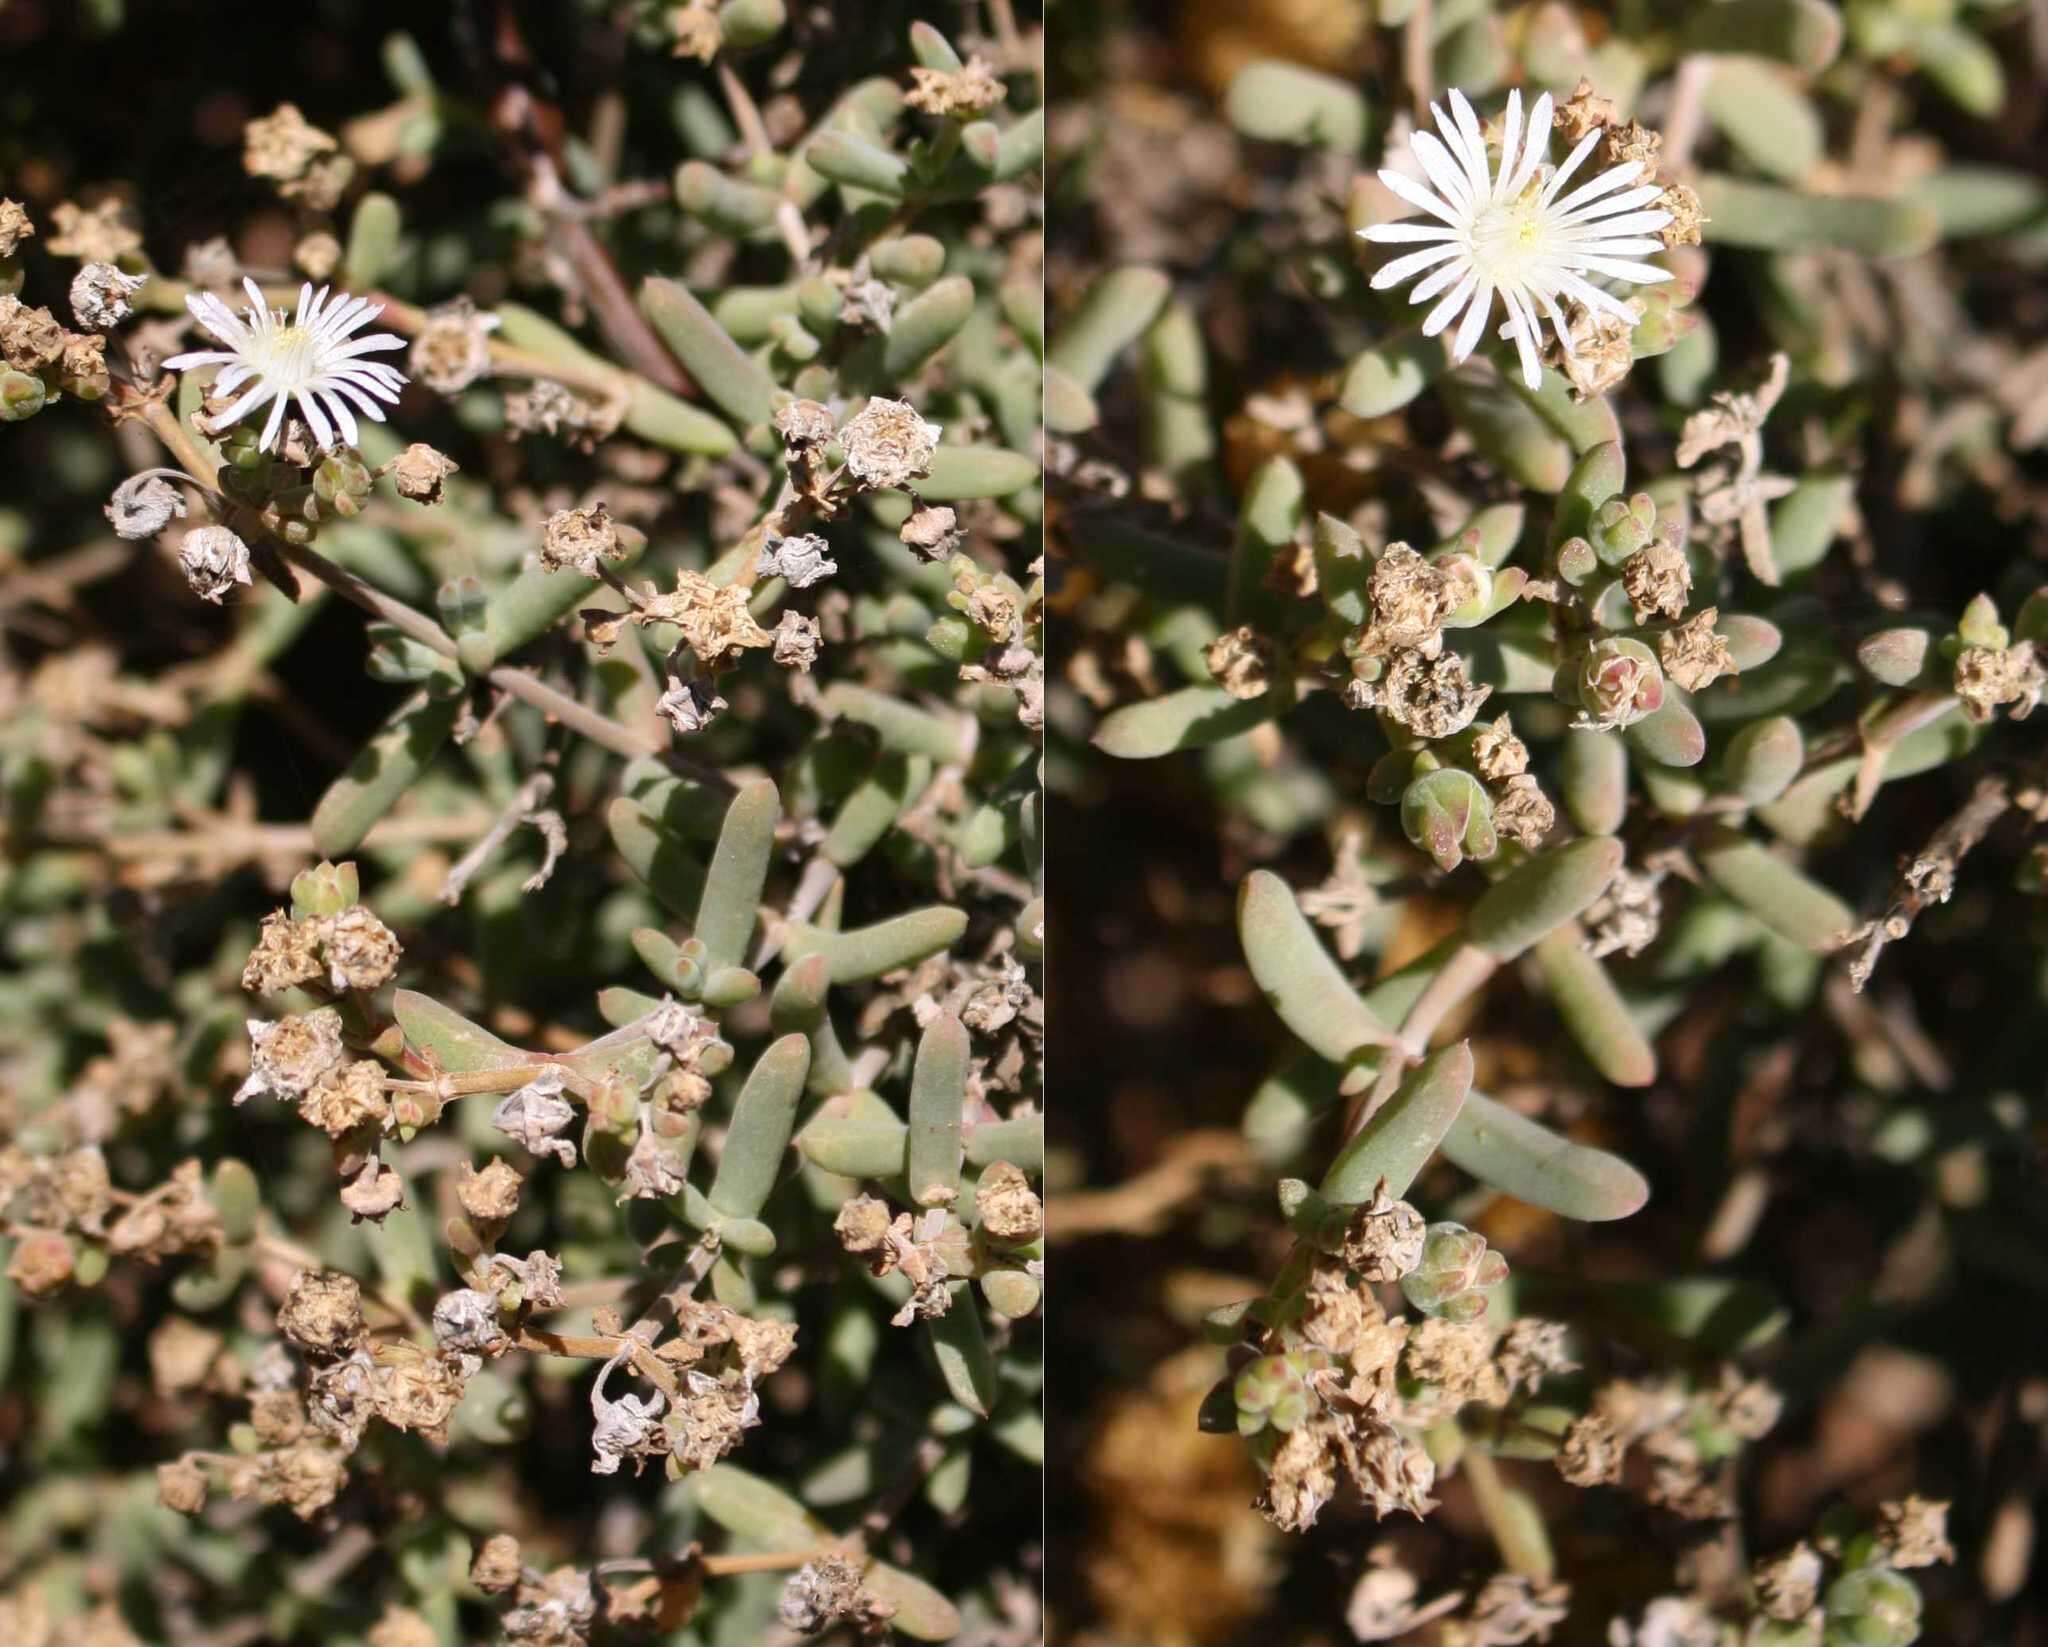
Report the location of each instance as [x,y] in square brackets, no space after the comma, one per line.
[888,444]
[419,471]
[100,293]
[802,560]
[962,93]
[143,505]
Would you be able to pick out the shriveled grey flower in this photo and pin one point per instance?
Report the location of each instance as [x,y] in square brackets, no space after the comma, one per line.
[536,1114]
[680,1030]
[653,1169]
[802,560]
[100,293]
[288,1058]
[143,505]
[539,1276]
[213,560]
[796,641]
[623,1426]
[690,706]
[467,1319]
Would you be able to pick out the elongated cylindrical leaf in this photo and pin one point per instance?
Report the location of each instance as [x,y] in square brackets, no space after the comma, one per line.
[869,951]
[387,766]
[938,1088]
[961,1348]
[1019,1141]
[1397,1143]
[738,871]
[1530,902]
[1112,316]
[1593,1010]
[1188,719]
[856,1149]
[1776,893]
[728,374]
[1525,1159]
[1671,735]
[1290,965]
[1593,776]
[761,1123]
[901,726]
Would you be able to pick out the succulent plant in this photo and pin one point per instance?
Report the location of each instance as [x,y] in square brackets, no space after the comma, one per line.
[651,908]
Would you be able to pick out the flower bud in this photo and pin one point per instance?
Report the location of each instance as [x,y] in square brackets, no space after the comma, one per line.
[342,482]
[1620,529]
[1872,1607]
[21,396]
[1457,1271]
[1980,625]
[325,889]
[1620,682]
[1273,1391]
[1472,584]
[1448,815]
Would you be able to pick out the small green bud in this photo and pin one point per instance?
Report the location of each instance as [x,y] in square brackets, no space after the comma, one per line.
[1474,575]
[1872,1607]
[1980,625]
[1457,1271]
[461,605]
[325,889]
[1620,682]
[21,396]
[1620,529]
[1274,1392]
[1772,1632]
[342,482]
[714,1058]
[1448,815]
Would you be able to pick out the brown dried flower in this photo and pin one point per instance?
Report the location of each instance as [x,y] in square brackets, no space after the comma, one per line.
[323,1312]
[888,444]
[1693,655]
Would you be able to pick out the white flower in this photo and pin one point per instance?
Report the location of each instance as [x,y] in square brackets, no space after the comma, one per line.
[1512,233]
[314,360]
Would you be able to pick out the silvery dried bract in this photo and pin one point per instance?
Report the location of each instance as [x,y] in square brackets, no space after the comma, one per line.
[536,1114]
[623,1426]
[100,293]
[690,706]
[143,505]
[802,560]
[679,1029]
[538,1275]
[288,1058]
[213,560]
[467,1320]
[653,1170]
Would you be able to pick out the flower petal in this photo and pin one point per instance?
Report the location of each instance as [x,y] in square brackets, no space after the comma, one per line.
[1386,233]
[1447,311]
[1420,198]
[1473,326]
[1414,263]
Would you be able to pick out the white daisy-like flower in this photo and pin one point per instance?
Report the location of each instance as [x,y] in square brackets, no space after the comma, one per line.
[1513,233]
[316,360]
